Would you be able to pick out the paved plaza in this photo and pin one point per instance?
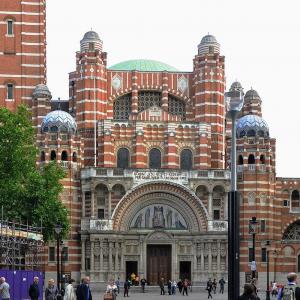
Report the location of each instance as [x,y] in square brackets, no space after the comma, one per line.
[199,295]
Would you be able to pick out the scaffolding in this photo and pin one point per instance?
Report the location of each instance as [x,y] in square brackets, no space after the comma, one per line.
[21,246]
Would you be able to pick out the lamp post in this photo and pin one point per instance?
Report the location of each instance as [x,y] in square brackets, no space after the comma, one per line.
[58,230]
[268,244]
[275,253]
[252,227]
[234,102]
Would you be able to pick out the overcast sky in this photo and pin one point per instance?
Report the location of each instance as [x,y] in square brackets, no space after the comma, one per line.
[260,39]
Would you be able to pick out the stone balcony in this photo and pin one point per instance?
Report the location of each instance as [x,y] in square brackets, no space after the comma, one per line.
[144,175]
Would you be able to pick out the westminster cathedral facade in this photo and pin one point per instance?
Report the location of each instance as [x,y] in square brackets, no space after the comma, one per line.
[146,150]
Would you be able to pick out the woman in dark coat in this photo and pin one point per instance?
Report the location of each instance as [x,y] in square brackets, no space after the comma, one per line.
[249,293]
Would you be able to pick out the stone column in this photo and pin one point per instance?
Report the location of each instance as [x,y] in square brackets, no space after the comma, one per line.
[219,257]
[110,256]
[210,205]
[109,204]
[122,258]
[92,255]
[202,257]
[93,204]
[101,255]
[117,257]
[83,204]
[83,240]
[209,257]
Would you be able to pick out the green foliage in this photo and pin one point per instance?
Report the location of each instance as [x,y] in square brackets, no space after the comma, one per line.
[26,192]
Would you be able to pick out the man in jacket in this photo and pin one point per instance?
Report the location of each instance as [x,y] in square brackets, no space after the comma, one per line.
[34,291]
[291,289]
[83,291]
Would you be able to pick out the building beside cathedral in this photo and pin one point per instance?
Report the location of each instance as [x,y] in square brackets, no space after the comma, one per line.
[146,149]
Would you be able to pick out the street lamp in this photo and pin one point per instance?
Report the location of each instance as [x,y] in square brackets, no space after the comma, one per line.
[234,102]
[58,230]
[268,244]
[252,230]
[275,253]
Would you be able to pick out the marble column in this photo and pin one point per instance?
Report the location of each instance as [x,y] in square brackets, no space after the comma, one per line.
[209,257]
[210,205]
[117,257]
[109,204]
[110,256]
[202,257]
[92,255]
[93,204]
[219,257]
[83,254]
[101,255]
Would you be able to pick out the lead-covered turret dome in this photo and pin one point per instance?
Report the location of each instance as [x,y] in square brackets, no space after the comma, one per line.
[41,91]
[58,121]
[208,44]
[252,125]
[91,42]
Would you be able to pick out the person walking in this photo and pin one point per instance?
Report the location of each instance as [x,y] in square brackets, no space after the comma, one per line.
[126,288]
[34,290]
[214,286]
[83,292]
[70,291]
[51,291]
[169,287]
[143,283]
[118,284]
[112,289]
[4,289]
[162,286]
[185,287]
[179,284]
[174,286]
[209,288]
[290,290]
[249,293]
[222,285]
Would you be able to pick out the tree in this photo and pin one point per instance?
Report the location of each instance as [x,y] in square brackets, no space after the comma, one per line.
[28,193]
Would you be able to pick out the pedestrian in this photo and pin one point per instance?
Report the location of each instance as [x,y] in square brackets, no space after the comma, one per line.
[70,291]
[174,286]
[249,293]
[112,289]
[209,288]
[118,284]
[169,287]
[34,290]
[83,292]
[179,284]
[126,287]
[143,283]
[4,289]
[51,291]
[222,285]
[185,286]
[290,290]
[274,289]
[162,286]
[214,285]
[253,283]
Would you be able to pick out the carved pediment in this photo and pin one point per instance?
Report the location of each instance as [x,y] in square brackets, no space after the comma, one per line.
[159,235]
[156,113]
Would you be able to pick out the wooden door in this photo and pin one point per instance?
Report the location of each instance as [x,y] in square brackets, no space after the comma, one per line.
[158,263]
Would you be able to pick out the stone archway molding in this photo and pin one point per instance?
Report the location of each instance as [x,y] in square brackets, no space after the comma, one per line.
[176,195]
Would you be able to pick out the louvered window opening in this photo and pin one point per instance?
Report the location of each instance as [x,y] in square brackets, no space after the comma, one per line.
[176,107]
[148,99]
[122,107]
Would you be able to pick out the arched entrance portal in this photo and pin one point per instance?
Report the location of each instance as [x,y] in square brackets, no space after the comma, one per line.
[163,217]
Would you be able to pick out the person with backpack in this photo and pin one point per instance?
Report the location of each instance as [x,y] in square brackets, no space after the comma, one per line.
[290,291]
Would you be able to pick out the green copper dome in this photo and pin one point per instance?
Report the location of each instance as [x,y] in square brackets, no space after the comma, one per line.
[143,65]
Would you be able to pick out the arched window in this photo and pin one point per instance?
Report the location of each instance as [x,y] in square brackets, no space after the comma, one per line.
[154,159]
[123,158]
[10,91]
[147,99]
[53,155]
[186,159]
[251,159]
[10,27]
[64,155]
[54,128]
[262,159]
[74,157]
[251,133]
[122,107]
[240,160]
[42,156]
[295,199]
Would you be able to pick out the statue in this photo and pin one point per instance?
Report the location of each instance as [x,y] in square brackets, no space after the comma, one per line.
[178,223]
[158,217]
[138,221]
[147,218]
[169,218]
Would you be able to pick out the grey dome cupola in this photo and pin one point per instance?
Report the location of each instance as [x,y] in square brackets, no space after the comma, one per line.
[41,91]
[252,95]
[236,86]
[58,121]
[251,126]
[208,45]
[91,42]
